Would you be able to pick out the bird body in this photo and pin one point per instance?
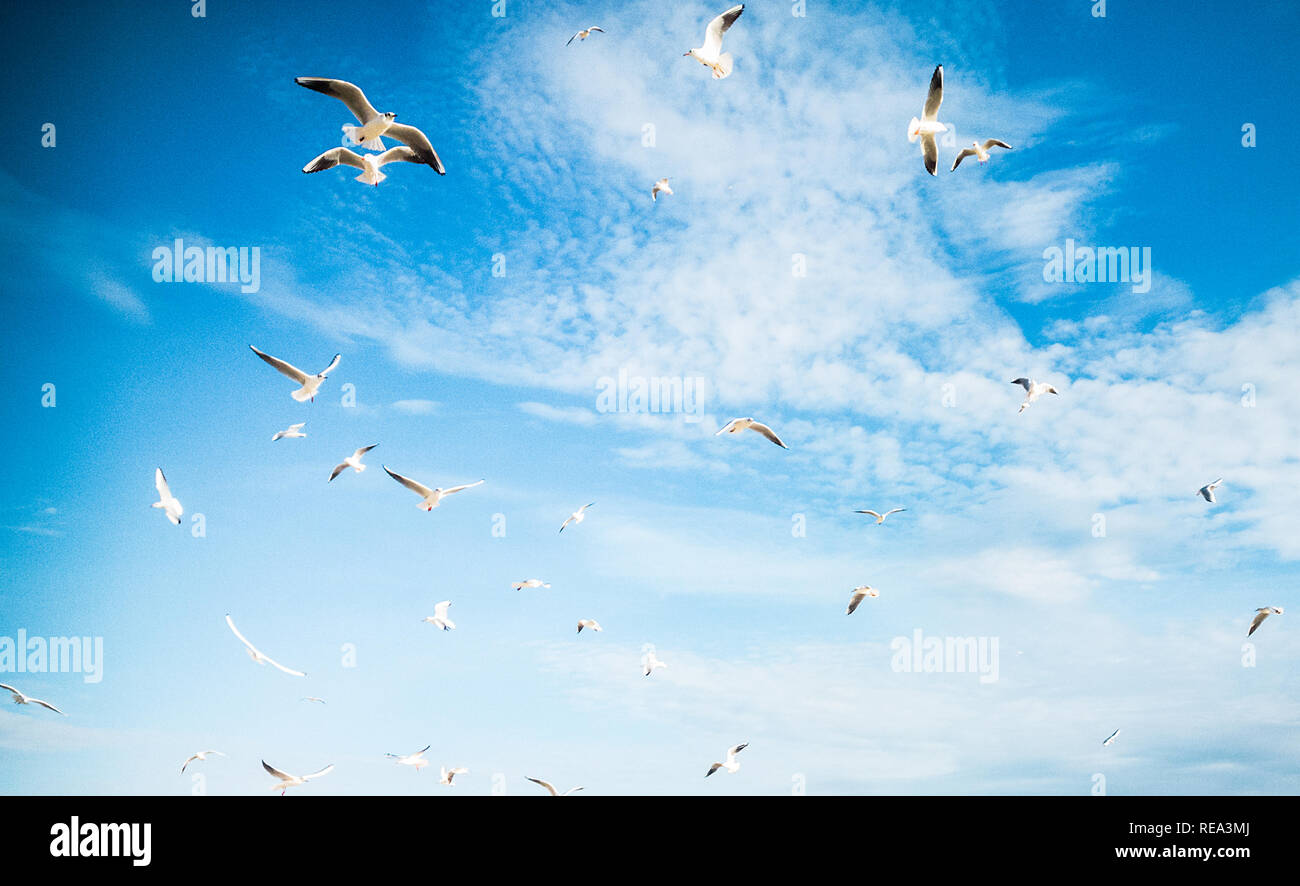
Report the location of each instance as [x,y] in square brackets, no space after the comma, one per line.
[310,383]
[731,764]
[353,461]
[710,54]
[589,623]
[416,759]
[292,431]
[1206,492]
[530,583]
[1033,390]
[200,756]
[21,698]
[928,125]
[445,775]
[979,151]
[577,516]
[880,518]
[369,164]
[858,595]
[661,185]
[429,498]
[439,618]
[736,425]
[651,663]
[1261,614]
[256,655]
[292,781]
[583,35]
[1110,740]
[374,125]
[171,507]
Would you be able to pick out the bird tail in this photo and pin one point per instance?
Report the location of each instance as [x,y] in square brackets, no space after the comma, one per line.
[353,135]
[913,130]
[379,176]
[302,395]
[724,66]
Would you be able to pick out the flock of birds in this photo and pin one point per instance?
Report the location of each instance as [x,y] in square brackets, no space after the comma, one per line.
[416,148]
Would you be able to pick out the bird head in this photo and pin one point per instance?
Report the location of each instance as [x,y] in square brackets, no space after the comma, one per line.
[391,116]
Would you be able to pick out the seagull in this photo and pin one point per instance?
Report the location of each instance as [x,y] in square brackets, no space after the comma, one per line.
[929,124]
[710,54]
[731,764]
[291,431]
[651,662]
[550,787]
[417,759]
[1206,492]
[309,382]
[1033,390]
[880,518]
[446,775]
[171,507]
[313,698]
[577,516]
[353,461]
[980,151]
[257,656]
[530,583]
[430,497]
[201,755]
[860,594]
[736,425]
[292,781]
[369,164]
[589,623]
[1111,740]
[583,35]
[661,185]
[374,124]
[19,698]
[439,617]
[1264,613]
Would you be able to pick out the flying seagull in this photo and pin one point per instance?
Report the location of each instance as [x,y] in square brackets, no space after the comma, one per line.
[589,623]
[417,759]
[926,128]
[980,151]
[577,516]
[530,583]
[1264,613]
[353,461]
[310,383]
[860,594]
[650,663]
[292,781]
[731,764]
[19,698]
[583,35]
[661,185]
[1033,390]
[313,698]
[201,755]
[291,432]
[374,124]
[736,425]
[369,164]
[446,775]
[710,54]
[550,787]
[257,656]
[1206,492]
[880,518]
[1111,740]
[439,618]
[171,507]
[429,497]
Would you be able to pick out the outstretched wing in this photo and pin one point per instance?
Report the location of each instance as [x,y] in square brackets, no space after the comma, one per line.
[546,784]
[419,143]
[287,369]
[348,93]
[858,597]
[459,488]
[333,364]
[334,157]
[338,469]
[399,154]
[718,27]
[160,483]
[242,638]
[969,152]
[363,450]
[418,488]
[768,433]
[930,153]
[872,513]
[996,143]
[45,704]
[935,96]
[283,776]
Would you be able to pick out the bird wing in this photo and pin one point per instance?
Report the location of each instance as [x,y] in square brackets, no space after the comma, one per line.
[935,97]
[1259,619]
[1023,382]
[160,483]
[283,776]
[16,693]
[242,638]
[282,367]
[574,37]
[440,610]
[419,143]
[363,450]
[594,28]
[462,487]
[719,26]
[930,152]
[854,600]
[333,364]
[334,157]
[418,488]
[399,154]
[712,769]
[298,426]
[326,771]
[731,752]
[872,513]
[969,152]
[895,511]
[546,784]
[338,469]
[768,433]
[189,761]
[996,143]
[281,667]
[44,704]
[348,93]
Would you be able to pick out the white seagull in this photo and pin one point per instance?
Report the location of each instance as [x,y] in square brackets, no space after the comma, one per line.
[880,518]
[583,35]
[860,594]
[292,431]
[1264,613]
[201,755]
[310,383]
[171,507]
[353,461]
[429,497]
[650,663]
[736,425]
[292,781]
[439,618]
[1206,492]
[661,185]
[369,164]
[417,759]
[926,128]
[589,623]
[19,698]
[550,787]
[530,583]
[577,516]
[1111,740]
[980,151]
[731,764]
[710,54]
[313,698]
[1033,390]
[374,125]
[446,775]
[257,656]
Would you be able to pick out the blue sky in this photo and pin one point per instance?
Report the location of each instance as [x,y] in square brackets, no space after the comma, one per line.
[920,292]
